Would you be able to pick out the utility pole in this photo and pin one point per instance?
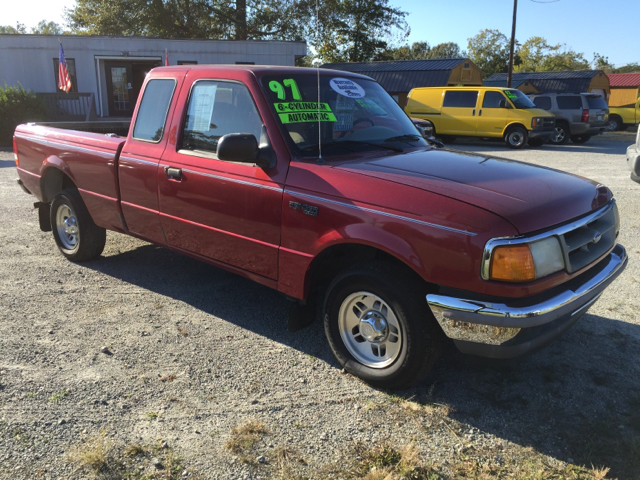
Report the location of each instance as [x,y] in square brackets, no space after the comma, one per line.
[513,41]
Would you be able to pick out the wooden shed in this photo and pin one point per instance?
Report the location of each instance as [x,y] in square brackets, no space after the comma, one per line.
[398,77]
[578,81]
[625,89]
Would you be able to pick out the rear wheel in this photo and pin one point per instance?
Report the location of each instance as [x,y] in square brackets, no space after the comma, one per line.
[615,123]
[580,138]
[74,231]
[516,137]
[379,326]
[561,135]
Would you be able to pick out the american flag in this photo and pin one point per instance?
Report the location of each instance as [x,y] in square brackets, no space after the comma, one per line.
[64,81]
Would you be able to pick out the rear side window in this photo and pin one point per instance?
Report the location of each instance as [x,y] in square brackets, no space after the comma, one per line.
[153,110]
[569,102]
[542,102]
[596,101]
[460,99]
[492,99]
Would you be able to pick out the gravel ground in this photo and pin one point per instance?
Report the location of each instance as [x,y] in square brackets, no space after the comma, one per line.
[144,363]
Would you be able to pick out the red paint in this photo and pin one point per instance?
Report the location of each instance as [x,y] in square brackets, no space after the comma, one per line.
[433,210]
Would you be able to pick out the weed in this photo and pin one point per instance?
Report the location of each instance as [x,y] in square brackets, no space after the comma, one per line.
[93,454]
[134,450]
[31,395]
[151,415]
[56,397]
[244,436]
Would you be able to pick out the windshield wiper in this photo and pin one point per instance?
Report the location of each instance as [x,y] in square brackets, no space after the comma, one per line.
[404,138]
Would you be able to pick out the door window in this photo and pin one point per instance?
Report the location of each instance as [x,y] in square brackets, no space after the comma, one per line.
[216,109]
[569,102]
[454,98]
[153,110]
[493,99]
[543,102]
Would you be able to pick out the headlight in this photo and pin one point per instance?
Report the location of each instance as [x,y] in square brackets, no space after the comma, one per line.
[537,122]
[525,262]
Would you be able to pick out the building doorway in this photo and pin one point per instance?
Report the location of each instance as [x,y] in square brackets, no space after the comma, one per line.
[124,81]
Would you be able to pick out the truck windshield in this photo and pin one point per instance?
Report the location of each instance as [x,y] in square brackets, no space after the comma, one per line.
[519,99]
[353,114]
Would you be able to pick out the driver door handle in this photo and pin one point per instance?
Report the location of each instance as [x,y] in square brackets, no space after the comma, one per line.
[173,173]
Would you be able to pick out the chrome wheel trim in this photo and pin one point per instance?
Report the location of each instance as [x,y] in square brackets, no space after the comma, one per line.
[67,227]
[560,134]
[370,330]
[516,138]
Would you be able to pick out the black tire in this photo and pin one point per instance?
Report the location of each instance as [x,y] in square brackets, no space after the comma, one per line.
[76,235]
[516,137]
[615,123]
[536,142]
[401,302]
[561,137]
[580,138]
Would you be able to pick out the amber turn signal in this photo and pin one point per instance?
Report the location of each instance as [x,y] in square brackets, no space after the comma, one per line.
[513,263]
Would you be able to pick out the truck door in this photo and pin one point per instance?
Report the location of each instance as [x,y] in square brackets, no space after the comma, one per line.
[138,163]
[226,211]
[492,115]
[459,112]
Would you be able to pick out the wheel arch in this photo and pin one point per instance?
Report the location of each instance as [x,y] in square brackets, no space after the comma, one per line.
[55,177]
[511,126]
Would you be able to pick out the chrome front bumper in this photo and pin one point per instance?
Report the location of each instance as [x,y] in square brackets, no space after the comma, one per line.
[633,160]
[503,330]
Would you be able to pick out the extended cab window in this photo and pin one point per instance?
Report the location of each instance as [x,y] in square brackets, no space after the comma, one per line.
[543,102]
[569,102]
[493,99]
[454,98]
[153,110]
[216,109]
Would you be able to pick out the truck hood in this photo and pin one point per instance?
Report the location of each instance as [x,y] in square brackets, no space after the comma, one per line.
[530,197]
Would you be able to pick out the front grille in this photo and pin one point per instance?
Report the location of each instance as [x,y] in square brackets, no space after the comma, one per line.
[589,241]
[548,122]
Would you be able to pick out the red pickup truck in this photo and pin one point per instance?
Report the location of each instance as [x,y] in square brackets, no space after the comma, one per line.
[316,184]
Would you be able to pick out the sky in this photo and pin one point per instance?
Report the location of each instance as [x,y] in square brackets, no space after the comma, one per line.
[586,26]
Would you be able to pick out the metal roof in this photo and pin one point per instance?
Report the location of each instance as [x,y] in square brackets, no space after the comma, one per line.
[403,75]
[559,82]
[624,79]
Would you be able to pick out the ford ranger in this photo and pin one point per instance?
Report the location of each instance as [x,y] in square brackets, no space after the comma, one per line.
[318,185]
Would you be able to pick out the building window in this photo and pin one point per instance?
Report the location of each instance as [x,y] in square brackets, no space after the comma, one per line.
[187,62]
[71,66]
[245,63]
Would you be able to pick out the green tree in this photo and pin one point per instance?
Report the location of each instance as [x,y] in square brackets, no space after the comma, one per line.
[602,63]
[415,51]
[47,28]
[628,68]
[447,50]
[489,50]
[18,29]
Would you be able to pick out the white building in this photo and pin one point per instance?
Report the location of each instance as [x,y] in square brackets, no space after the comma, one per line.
[112,69]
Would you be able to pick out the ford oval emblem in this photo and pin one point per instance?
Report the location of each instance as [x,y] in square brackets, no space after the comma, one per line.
[596,237]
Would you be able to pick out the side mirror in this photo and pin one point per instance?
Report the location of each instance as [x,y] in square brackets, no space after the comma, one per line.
[238,147]
[244,148]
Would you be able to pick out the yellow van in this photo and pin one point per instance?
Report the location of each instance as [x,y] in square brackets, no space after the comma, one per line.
[482,112]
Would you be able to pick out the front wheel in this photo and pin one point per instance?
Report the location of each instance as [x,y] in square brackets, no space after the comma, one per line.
[561,134]
[379,326]
[516,137]
[74,231]
[580,138]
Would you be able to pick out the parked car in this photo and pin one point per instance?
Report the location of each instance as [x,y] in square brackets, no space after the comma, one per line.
[481,112]
[339,204]
[425,127]
[579,116]
[621,118]
[633,158]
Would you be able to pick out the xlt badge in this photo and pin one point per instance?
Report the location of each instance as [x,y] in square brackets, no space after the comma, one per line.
[306,209]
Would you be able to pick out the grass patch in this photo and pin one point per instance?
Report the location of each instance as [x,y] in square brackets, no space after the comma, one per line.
[152,415]
[244,437]
[93,455]
[56,397]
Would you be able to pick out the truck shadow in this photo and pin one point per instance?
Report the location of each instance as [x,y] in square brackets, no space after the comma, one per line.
[578,400]
[7,163]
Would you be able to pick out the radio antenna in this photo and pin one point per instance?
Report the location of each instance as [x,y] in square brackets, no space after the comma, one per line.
[317,60]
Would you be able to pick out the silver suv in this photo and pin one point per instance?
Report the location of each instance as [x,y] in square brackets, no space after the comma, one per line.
[579,116]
